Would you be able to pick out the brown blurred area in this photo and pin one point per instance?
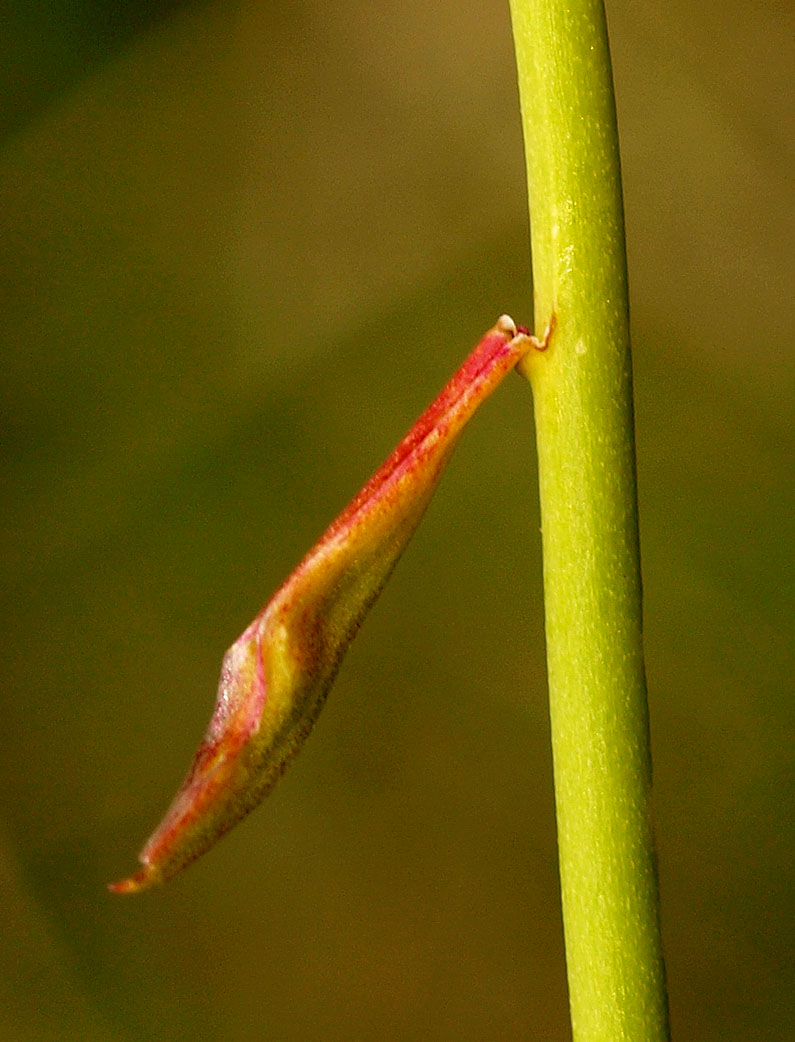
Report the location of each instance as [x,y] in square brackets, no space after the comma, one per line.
[242,247]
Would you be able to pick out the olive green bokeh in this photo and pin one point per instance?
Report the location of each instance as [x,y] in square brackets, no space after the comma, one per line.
[227,256]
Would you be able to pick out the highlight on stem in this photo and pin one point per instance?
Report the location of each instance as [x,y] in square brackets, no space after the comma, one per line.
[276,676]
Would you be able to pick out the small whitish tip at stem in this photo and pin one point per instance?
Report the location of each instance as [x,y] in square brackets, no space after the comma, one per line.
[505,324]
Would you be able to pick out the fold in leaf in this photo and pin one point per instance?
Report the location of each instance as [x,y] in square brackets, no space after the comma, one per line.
[276,676]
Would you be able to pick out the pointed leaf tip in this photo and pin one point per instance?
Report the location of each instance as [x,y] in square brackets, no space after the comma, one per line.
[144,879]
[276,676]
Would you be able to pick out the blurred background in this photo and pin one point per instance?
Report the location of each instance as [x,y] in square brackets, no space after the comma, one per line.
[243,245]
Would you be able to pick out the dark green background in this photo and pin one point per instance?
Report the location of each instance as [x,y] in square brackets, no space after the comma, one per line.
[243,246]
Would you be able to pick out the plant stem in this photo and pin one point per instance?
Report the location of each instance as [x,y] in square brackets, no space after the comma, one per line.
[582,389]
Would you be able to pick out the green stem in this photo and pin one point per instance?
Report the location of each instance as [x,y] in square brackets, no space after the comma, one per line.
[582,388]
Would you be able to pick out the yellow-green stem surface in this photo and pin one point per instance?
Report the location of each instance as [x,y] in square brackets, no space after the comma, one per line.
[582,388]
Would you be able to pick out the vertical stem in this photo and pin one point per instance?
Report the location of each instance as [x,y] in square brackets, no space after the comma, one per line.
[582,388]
